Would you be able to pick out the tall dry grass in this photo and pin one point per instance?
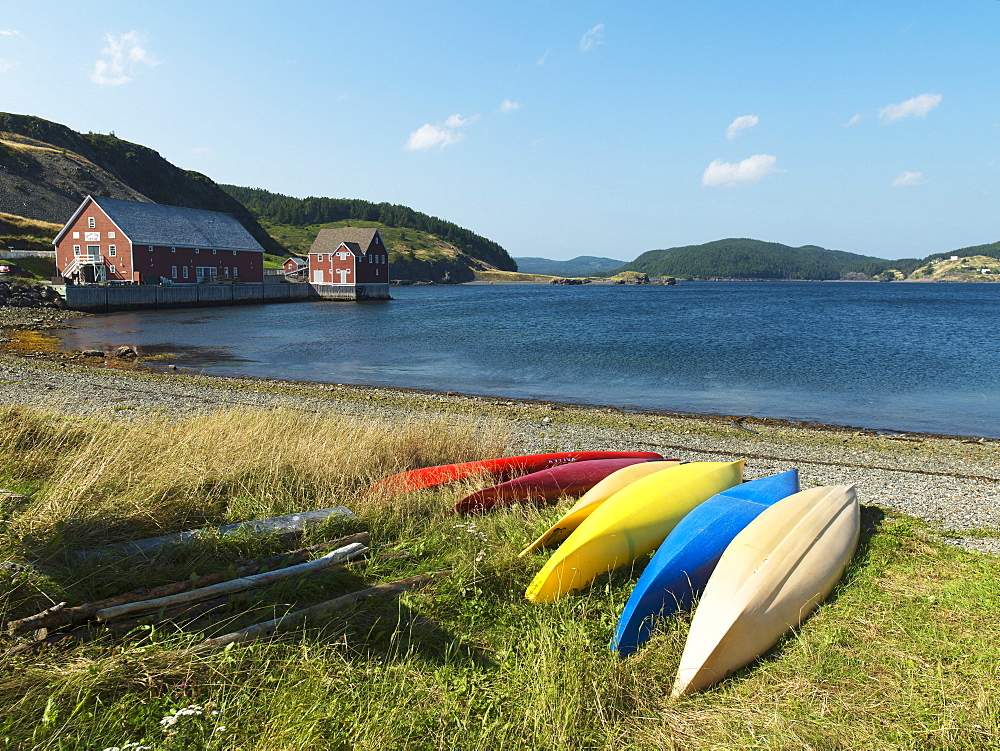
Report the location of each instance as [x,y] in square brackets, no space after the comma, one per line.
[101,481]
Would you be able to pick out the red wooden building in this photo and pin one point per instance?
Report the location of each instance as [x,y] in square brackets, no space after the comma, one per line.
[295,266]
[112,240]
[350,256]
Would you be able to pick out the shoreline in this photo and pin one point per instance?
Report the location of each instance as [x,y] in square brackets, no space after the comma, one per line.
[951,483]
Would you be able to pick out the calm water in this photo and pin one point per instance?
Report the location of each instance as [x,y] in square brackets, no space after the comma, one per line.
[922,357]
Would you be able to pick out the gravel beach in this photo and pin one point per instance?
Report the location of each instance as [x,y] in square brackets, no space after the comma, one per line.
[951,483]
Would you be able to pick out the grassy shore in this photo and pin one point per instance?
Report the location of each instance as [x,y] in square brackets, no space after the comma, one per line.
[905,654]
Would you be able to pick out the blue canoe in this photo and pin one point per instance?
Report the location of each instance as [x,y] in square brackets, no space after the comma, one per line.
[681,566]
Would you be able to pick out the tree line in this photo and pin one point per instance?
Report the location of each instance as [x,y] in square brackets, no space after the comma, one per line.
[744,258]
[280,209]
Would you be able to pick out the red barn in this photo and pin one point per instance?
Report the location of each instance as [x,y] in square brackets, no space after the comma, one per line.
[349,256]
[111,240]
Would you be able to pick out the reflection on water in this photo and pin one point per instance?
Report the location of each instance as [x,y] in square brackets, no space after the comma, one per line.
[897,356]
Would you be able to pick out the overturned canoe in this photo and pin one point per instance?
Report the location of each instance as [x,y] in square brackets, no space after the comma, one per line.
[772,575]
[592,499]
[567,479]
[633,522]
[682,565]
[426,477]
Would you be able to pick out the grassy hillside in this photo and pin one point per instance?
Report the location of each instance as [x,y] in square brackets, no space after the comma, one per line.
[413,254]
[743,258]
[47,169]
[964,269]
[26,234]
[433,261]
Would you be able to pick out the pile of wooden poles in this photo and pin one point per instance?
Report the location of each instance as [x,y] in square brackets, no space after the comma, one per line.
[192,598]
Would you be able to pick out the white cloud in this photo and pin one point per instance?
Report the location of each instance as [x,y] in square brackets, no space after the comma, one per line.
[545,57]
[854,121]
[428,136]
[123,54]
[509,106]
[9,33]
[741,123]
[593,38]
[906,179]
[720,174]
[6,66]
[919,106]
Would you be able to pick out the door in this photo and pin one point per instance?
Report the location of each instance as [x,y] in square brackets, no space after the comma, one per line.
[318,276]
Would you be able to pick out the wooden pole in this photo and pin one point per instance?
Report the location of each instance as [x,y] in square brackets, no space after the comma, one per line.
[234,585]
[285,622]
[59,616]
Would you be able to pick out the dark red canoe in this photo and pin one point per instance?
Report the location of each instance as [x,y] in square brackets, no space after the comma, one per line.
[505,467]
[570,479]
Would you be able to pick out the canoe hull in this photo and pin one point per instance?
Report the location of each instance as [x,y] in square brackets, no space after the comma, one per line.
[572,479]
[592,499]
[682,565]
[773,574]
[508,466]
[630,524]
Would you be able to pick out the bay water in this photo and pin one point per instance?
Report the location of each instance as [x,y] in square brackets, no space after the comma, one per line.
[892,356]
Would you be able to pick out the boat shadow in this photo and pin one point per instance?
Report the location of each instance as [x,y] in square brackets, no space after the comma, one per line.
[872,518]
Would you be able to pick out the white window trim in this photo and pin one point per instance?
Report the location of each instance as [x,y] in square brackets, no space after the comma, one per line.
[91,222]
[112,250]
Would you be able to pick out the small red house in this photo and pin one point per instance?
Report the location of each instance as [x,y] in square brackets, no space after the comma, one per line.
[295,266]
[349,256]
[112,240]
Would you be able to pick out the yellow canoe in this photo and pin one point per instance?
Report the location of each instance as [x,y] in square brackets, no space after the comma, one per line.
[594,498]
[772,575]
[633,522]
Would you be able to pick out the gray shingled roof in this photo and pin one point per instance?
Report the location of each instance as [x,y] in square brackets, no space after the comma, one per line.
[330,238]
[158,224]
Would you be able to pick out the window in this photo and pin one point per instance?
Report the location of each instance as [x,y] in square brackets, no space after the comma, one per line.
[321,258]
[112,251]
[76,235]
[112,268]
[173,272]
[197,250]
[93,251]
[213,251]
[111,236]
[150,248]
[76,250]
[235,272]
[234,252]
[185,272]
[91,223]
[173,250]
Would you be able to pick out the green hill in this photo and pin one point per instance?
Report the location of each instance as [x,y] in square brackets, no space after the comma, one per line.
[575,267]
[743,258]
[424,248]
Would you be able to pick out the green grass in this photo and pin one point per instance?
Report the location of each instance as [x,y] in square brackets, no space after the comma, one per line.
[402,242]
[905,654]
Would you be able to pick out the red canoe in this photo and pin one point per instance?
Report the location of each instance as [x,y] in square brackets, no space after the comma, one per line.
[569,479]
[505,467]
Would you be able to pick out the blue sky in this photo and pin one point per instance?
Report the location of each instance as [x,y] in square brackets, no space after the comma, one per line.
[556,128]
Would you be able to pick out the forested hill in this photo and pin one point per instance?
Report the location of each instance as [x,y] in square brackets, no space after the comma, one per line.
[742,258]
[274,208]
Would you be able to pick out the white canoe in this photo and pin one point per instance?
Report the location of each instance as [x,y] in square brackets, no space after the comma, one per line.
[772,575]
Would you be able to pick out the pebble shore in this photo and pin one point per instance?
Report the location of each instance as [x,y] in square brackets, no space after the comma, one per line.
[952,483]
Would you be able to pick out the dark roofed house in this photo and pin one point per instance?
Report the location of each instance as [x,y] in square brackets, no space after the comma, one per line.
[295,266]
[353,257]
[112,240]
